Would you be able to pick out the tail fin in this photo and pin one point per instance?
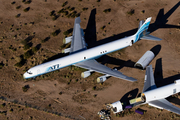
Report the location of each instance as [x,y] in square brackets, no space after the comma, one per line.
[149,83]
[142,31]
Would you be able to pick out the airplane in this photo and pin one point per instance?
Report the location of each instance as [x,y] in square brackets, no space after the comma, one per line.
[151,95]
[80,56]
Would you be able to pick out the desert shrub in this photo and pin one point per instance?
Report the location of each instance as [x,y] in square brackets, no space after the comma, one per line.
[18,15]
[72,15]
[27,46]
[60,93]
[84,9]
[46,39]
[1,65]
[102,28]
[34,49]
[25,88]
[3,105]
[55,33]
[13,2]
[65,12]
[27,9]
[77,15]
[107,10]
[61,11]
[94,88]
[80,0]
[52,13]
[23,0]
[19,64]
[143,11]
[24,42]
[27,2]
[98,0]
[55,17]
[28,54]
[65,3]
[131,12]
[68,32]
[71,9]
[18,7]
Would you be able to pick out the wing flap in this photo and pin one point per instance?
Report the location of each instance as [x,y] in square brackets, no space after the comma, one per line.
[95,66]
[163,103]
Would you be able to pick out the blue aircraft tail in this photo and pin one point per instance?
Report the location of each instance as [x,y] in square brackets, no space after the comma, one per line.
[142,31]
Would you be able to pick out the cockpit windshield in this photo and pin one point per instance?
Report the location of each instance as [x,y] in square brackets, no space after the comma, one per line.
[29,72]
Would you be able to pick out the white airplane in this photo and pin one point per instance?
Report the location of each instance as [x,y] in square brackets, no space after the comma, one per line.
[82,57]
[151,95]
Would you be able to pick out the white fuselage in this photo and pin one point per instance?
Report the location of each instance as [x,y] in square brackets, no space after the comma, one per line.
[79,57]
[162,92]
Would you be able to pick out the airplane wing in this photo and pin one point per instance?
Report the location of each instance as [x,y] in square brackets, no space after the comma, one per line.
[95,66]
[149,79]
[78,42]
[164,104]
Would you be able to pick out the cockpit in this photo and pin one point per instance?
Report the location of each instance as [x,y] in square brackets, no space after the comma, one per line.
[29,72]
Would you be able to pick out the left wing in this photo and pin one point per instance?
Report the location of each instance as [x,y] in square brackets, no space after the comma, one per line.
[95,66]
[77,42]
[164,104]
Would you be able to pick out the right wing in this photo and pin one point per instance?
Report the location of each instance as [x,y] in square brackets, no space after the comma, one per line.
[164,104]
[149,79]
[95,66]
[78,42]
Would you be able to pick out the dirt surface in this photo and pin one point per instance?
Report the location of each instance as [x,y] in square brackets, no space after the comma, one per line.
[32,32]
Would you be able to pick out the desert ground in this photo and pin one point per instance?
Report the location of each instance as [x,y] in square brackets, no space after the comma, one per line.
[32,32]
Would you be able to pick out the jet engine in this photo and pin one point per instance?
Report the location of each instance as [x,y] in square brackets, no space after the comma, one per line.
[67,39]
[86,74]
[67,50]
[102,78]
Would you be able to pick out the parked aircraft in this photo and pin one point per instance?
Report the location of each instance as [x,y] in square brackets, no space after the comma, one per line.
[82,57]
[151,95]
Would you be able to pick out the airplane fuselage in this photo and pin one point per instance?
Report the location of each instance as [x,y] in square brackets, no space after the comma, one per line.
[162,92]
[80,56]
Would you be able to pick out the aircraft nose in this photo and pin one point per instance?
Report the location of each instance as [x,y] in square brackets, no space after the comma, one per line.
[24,75]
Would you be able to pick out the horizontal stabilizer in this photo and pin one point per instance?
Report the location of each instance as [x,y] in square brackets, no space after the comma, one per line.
[150,37]
[164,104]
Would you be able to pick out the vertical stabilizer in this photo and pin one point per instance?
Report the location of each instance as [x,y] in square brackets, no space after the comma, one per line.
[142,31]
[149,83]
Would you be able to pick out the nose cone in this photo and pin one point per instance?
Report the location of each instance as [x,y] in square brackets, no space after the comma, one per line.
[25,75]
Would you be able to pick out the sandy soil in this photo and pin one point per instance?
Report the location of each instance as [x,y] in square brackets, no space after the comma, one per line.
[63,94]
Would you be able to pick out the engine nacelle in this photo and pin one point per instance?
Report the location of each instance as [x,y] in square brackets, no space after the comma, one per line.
[67,50]
[102,78]
[85,74]
[67,39]
[116,107]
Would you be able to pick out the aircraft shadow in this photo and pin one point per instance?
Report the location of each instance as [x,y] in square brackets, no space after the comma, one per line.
[159,81]
[158,75]
[130,95]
